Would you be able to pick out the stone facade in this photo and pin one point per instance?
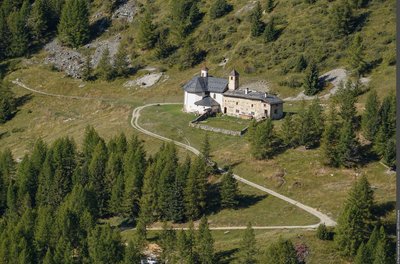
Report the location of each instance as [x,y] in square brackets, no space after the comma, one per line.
[245,108]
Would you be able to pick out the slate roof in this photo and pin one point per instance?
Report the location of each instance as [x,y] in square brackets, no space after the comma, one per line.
[254,95]
[206,84]
[234,73]
[207,101]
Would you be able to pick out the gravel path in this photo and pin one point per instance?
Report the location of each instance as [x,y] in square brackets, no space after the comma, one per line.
[135,124]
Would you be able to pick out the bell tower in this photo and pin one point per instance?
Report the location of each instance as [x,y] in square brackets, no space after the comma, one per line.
[233,80]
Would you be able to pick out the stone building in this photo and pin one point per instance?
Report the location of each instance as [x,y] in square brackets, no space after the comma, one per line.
[206,93]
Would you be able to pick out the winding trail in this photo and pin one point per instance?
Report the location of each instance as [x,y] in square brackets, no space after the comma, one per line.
[324,219]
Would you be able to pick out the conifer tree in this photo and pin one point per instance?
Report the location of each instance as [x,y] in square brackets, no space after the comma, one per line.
[39,20]
[206,148]
[354,224]
[5,33]
[348,147]
[189,54]
[229,190]
[270,5]
[121,63]
[163,47]
[132,254]
[105,69]
[356,60]
[248,250]
[311,80]
[73,29]
[288,131]
[281,252]
[178,203]
[301,64]
[322,232]
[105,245]
[389,155]
[148,200]
[370,118]
[382,251]
[373,242]
[87,71]
[117,195]
[17,24]
[168,243]
[97,175]
[26,181]
[147,37]
[263,139]
[330,139]
[219,8]
[43,236]
[48,258]
[362,256]
[270,32]
[205,243]
[341,15]
[347,99]
[257,26]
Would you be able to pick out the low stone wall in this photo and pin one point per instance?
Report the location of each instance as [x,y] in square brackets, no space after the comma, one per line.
[218,130]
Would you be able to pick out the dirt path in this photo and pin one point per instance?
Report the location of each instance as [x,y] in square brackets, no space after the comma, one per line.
[135,124]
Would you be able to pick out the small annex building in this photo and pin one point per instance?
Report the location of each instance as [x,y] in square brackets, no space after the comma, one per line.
[206,93]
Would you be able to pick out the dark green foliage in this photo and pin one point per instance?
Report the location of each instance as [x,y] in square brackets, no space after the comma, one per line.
[167,243]
[311,81]
[7,103]
[105,69]
[87,71]
[389,155]
[330,139]
[348,147]
[323,233]
[189,55]
[257,26]
[342,18]
[17,24]
[281,252]
[5,35]
[206,148]
[185,16]
[248,249]
[132,254]
[73,29]
[270,32]
[287,131]
[270,6]
[359,3]
[39,20]
[148,200]
[90,141]
[163,47]
[382,250]
[146,37]
[196,189]
[356,55]
[105,245]
[229,191]
[347,99]
[205,243]
[262,139]
[363,255]
[219,8]
[121,63]
[370,118]
[354,223]
[301,64]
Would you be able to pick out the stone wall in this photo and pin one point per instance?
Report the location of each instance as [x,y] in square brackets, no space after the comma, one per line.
[218,130]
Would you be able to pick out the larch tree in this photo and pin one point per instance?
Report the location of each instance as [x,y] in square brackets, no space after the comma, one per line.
[270,32]
[105,245]
[281,252]
[355,221]
[342,18]
[229,190]
[330,139]
[356,55]
[39,20]
[370,118]
[146,36]
[270,5]
[287,131]
[206,147]
[248,250]
[311,81]
[73,29]
[205,243]
[263,140]
[219,8]
[105,69]
[121,63]
[257,26]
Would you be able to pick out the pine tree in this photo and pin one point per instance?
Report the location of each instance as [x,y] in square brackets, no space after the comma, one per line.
[26,181]
[356,59]
[270,5]
[219,8]
[146,37]
[148,201]
[178,203]
[5,35]
[87,71]
[354,224]
[205,243]
[287,131]
[48,258]
[263,140]
[17,23]
[301,64]
[206,148]
[39,20]
[105,245]
[248,250]
[389,155]
[189,54]
[342,18]
[195,192]
[362,256]
[229,190]
[347,99]
[121,63]
[373,242]
[73,29]
[311,80]
[370,118]
[43,236]
[382,251]
[132,254]
[323,233]
[257,26]
[281,252]
[167,243]
[270,32]
[348,147]
[163,47]
[105,70]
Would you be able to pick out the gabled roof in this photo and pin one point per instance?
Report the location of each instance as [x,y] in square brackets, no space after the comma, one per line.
[206,84]
[254,95]
[234,73]
[207,101]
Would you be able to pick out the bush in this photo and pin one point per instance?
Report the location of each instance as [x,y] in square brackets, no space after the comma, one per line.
[323,233]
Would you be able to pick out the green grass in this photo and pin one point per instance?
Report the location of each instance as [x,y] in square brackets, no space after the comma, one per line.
[226,122]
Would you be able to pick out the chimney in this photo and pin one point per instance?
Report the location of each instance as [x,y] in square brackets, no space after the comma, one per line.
[265,95]
[246,91]
[204,71]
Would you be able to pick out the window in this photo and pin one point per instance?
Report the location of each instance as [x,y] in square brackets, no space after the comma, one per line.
[237,103]
[231,78]
[252,113]
[265,105]
[251,105]
[214,96]
[276,111]
[237,111]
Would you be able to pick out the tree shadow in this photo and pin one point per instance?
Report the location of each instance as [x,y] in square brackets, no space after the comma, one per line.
[22,100]
[383,209]
[367,155]
[225,256]
[99,27]
[247,200]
